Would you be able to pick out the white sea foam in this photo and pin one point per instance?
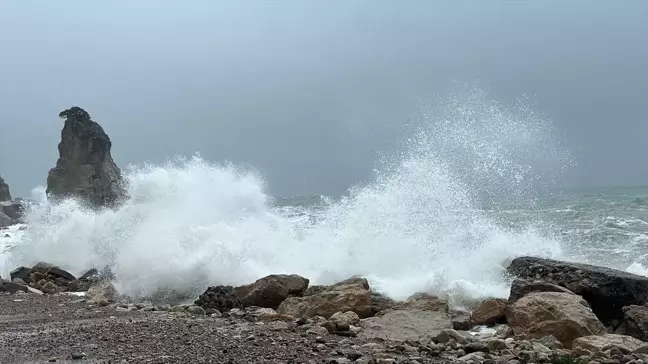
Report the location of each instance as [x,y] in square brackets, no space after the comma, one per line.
[422,225]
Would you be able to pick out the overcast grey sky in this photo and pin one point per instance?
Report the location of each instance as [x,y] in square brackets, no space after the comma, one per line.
[308,91]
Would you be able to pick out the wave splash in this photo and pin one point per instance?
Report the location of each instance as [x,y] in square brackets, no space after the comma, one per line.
[427,222]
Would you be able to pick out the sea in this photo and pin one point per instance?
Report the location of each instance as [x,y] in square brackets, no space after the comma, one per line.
[476,184]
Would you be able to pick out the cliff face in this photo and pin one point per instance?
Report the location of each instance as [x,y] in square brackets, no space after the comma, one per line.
[4,191]
[85,169]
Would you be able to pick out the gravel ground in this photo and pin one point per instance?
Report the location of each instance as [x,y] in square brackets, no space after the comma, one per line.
[41,329]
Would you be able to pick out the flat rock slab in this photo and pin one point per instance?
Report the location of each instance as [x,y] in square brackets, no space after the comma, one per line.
[402,325]
[606,290]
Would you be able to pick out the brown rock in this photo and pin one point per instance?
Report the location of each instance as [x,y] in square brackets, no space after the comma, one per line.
[490,312]
[407,324]
[595,343]
[521,287]
[350,295]
[270,291]
[565,316]
[423,301]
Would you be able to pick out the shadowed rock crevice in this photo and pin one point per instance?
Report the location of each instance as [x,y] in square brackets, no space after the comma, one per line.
[85,168]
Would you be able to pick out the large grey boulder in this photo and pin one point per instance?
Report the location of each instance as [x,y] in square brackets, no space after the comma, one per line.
[4,191]
[606,290]
[85,168]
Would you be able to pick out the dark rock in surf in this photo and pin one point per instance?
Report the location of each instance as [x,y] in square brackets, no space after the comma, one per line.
[85,168]
[606,290]
[270,291]
[20,273]
[220,298]
[5,220]
[49,279]
[635,322]
[5,195]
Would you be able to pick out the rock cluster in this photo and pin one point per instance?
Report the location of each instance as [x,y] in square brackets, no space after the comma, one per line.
[48,278]
[85,168]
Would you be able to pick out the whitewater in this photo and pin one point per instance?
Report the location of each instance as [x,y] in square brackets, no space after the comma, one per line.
[431,220]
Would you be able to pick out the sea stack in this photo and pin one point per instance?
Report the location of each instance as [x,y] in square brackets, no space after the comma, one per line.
[85,169]
[4,191]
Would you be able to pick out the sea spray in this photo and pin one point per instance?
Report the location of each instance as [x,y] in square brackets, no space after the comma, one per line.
[426,223]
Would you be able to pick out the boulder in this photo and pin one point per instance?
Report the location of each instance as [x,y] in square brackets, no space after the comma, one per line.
[85,169]
[5,220]
[461,320]
[20,273]
[421,316]
[103,290]
[490,312]
[563,315]
[4,191]
[521,287]
[14,209]
[350,295]
[270,291]
[635,322]
[220,298]
[405,324]
[606,290]
[11,287]
[595,343]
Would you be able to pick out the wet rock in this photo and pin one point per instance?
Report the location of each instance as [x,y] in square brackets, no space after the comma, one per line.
[461,320]
[20,273]
[221,298]
[635,322]
[380,302]
[606,290]
[270,291]
[565,316]
[490,312]
[350,295]
[5,220]
[85,168]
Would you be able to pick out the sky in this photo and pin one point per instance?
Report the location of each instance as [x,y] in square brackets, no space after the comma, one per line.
[310,92]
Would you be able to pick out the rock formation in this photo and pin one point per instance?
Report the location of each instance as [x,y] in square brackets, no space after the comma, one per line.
[85,169]
[4,191]
[606,290]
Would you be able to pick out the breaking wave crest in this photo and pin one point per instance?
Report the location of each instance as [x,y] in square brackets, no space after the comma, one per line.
[427,222]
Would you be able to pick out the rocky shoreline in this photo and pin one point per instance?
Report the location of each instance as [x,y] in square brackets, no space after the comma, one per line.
[557,312]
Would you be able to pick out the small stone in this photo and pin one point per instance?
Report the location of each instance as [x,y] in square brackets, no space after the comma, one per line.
[196,310]
[320,340]
[475,347]
[318,330]
[52,360]
[78,356]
